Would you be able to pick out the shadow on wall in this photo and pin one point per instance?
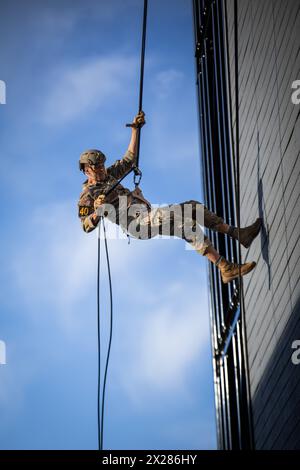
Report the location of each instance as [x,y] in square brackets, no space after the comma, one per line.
[262,213]
[276,402]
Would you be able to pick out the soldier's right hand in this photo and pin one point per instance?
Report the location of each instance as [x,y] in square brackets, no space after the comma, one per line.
[139,120]
[99,201]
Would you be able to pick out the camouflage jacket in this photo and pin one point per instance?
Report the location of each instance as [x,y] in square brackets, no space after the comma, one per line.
[91,192]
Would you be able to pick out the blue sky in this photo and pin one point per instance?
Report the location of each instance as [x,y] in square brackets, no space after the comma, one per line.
[71,69]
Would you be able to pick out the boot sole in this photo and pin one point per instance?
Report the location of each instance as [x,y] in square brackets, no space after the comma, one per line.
[246,271]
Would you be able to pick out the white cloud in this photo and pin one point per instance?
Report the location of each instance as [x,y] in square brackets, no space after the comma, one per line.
[12,396]
[162,325]
[175,341]
[167,82]
[56,263]
[166,340]
[52,256]
[87,87]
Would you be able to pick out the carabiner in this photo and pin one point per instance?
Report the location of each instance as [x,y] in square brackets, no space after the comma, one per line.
[137,176]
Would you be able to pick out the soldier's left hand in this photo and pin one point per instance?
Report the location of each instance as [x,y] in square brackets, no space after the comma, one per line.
[99,201]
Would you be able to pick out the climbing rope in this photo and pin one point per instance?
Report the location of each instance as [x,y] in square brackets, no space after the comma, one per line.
[99,338]
[142,78]
[110,329]
[101,406]
[136,169]
[137,179]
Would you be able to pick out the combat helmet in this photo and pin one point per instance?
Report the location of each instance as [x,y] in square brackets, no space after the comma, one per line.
[91,157]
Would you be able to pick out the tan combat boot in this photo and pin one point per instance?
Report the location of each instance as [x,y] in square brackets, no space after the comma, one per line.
[230,271]
[247,234]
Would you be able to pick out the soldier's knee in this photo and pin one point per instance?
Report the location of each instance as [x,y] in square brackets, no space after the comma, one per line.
[212,220]
[193,202]
[194,209]
[202,246]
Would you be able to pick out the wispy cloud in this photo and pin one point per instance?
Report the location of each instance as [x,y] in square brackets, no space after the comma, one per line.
[167,82]
[58,264]
[77,81]
[169,335]
[86,87]
[57,261]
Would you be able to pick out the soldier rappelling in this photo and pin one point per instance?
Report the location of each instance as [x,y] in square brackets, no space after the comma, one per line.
[138,218]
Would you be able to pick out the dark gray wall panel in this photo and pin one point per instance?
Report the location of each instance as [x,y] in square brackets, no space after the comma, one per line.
[269,61]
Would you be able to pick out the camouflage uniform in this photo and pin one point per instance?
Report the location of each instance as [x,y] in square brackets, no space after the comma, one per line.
[145,222]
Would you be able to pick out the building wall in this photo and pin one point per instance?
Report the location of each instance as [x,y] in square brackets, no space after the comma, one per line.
[269,62]
[228,339]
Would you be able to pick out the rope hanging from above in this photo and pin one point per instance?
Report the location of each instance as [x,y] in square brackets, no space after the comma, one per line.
[137,179]
[137,171]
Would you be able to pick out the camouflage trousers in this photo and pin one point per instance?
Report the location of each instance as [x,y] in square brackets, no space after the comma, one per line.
[167,220]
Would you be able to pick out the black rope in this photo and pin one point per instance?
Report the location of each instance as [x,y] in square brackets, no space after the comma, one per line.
[137,177]
[110,330]
[101,404]
[99,339]
[142,75]
[118,182]
[137,171]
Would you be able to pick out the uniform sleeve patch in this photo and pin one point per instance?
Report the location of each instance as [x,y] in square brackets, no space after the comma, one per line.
[83,211]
